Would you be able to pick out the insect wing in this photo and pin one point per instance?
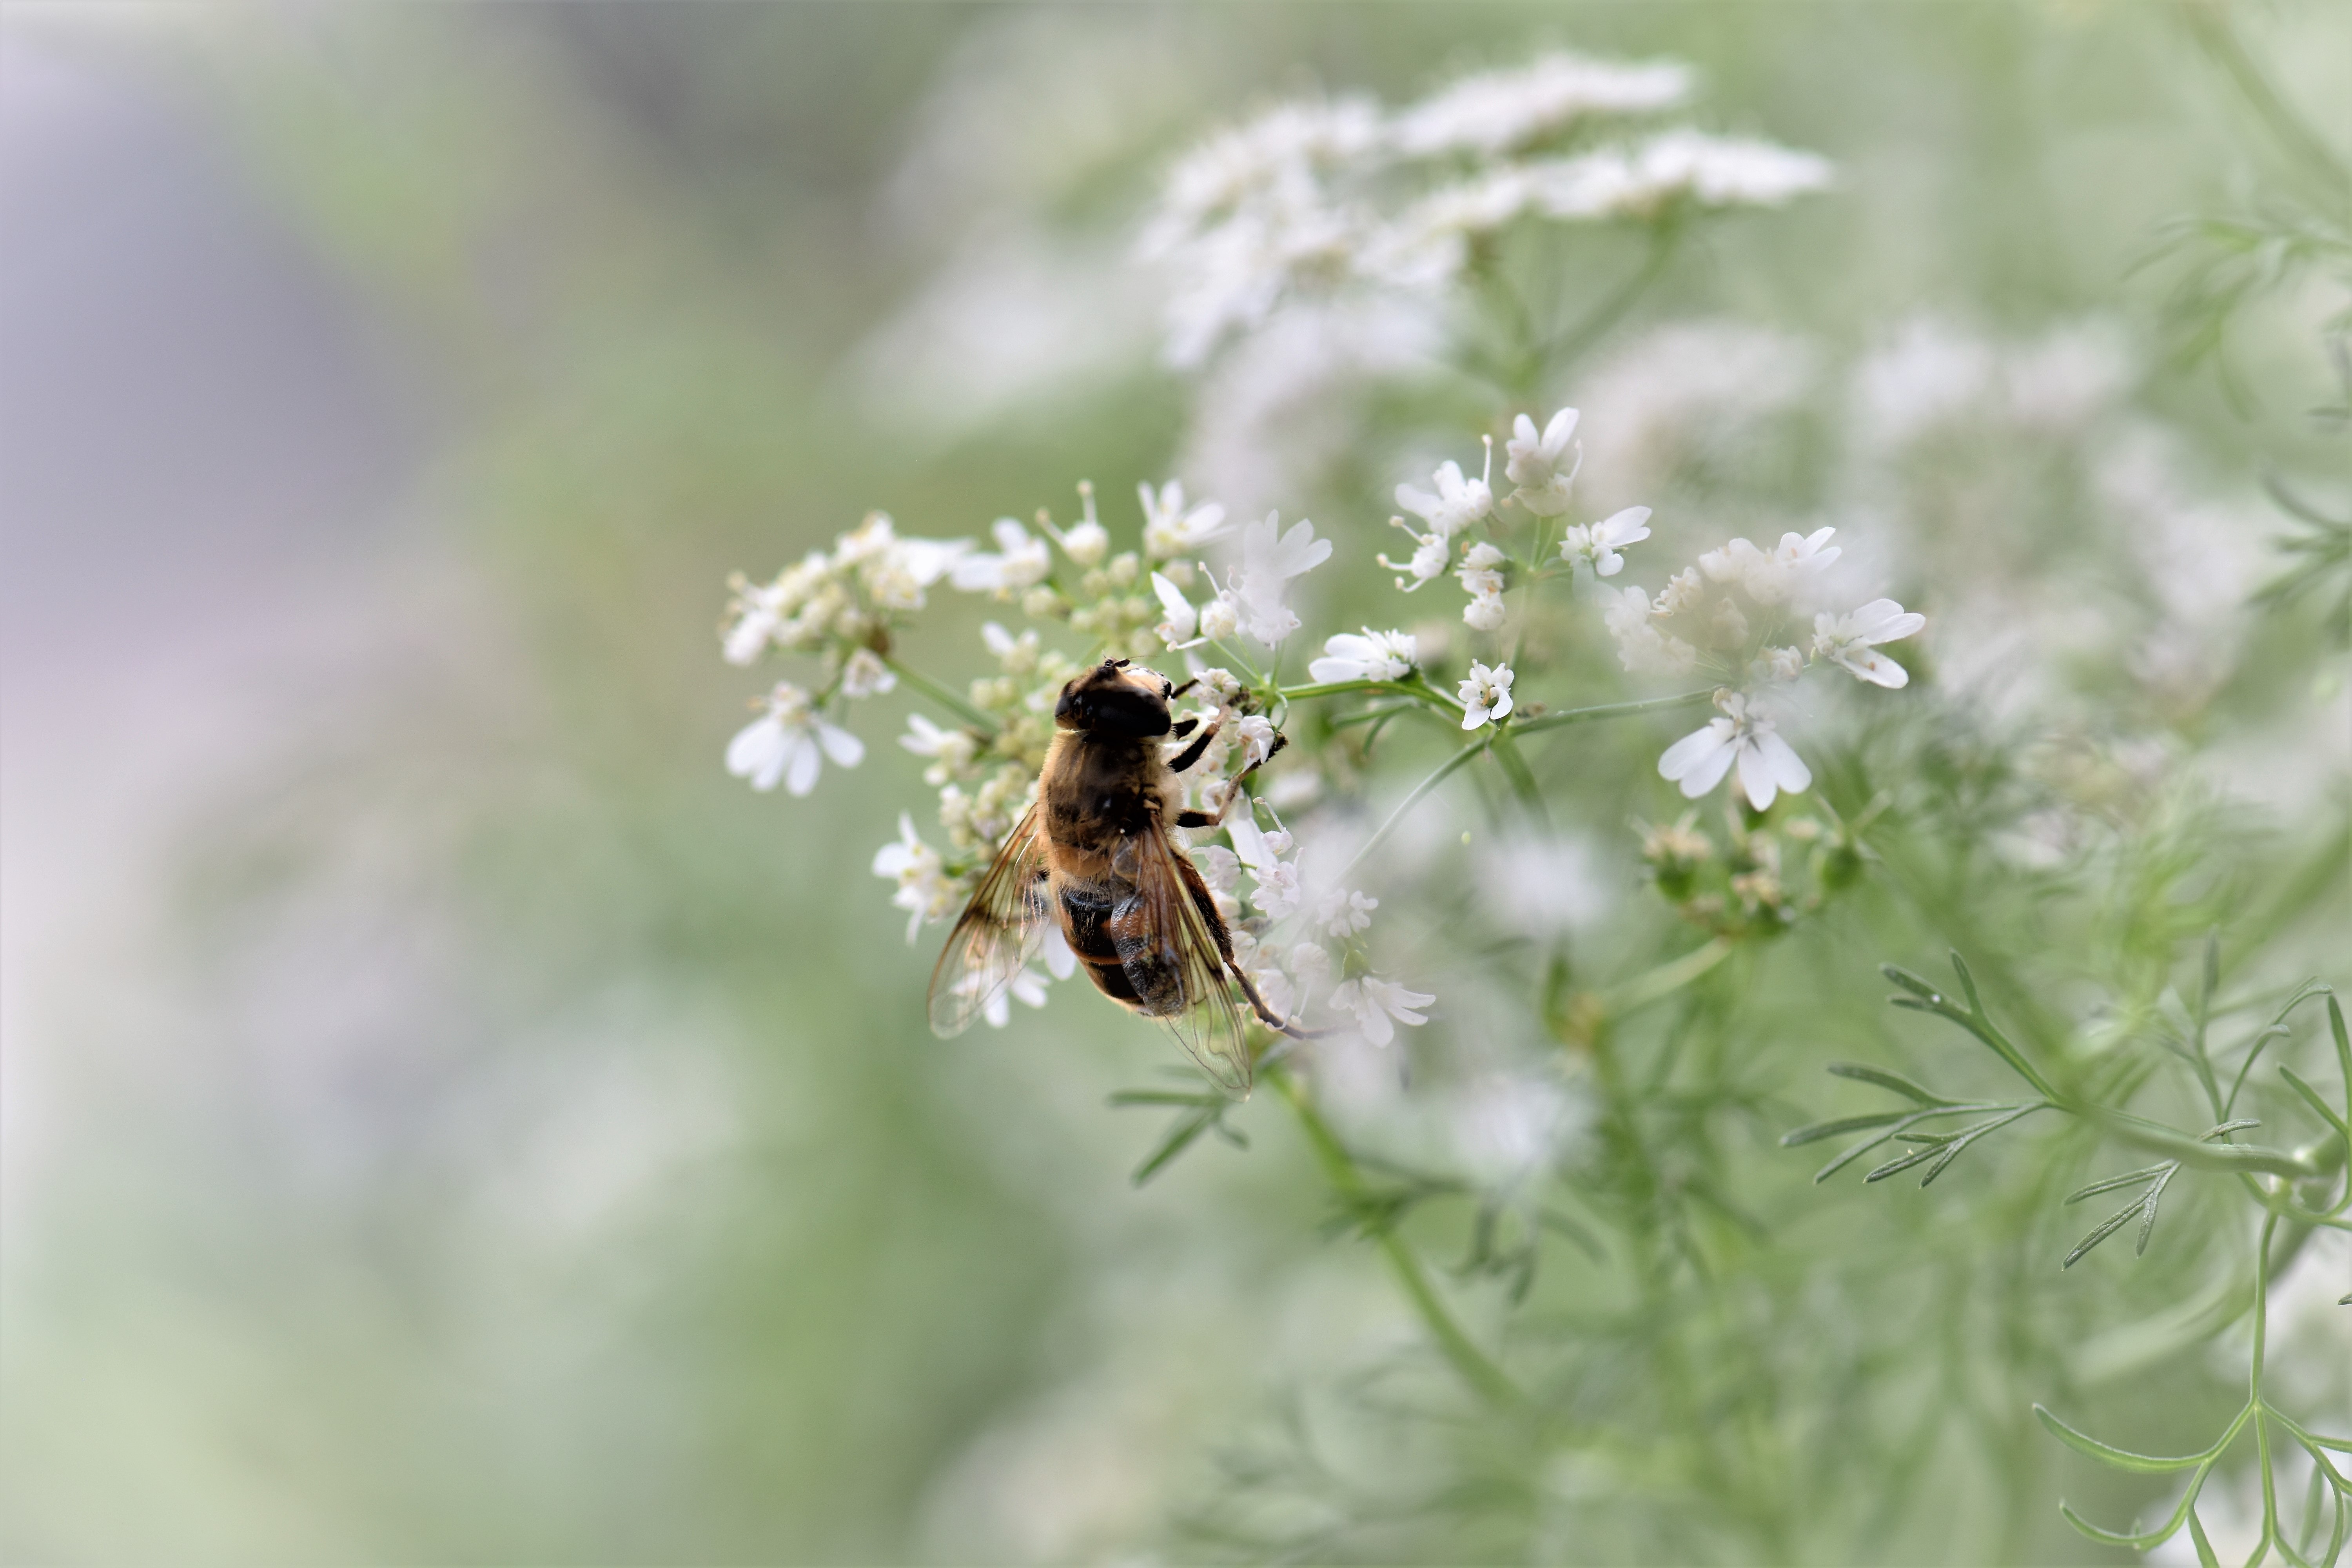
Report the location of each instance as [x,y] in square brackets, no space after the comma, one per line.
[1001,931]
[1175,963]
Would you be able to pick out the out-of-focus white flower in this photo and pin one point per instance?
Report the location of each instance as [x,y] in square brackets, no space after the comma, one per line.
[1478,205]
[1017,655]
[1060,962]
[1277,842]
[1253,732]
[1458,504]
[1537,462]
[1770,576]
[1311,962]
[1428,557]
[758,609]
[1597,544]
[1270,559]
[1683,592]
[1642,648]
[1375,656]
[1276,157]
[1179,620]
[1767,765]
[1543,885]
[1021,561]
[1026,985]
[1486,695]
[1501,111]
[1481,571]
[1169,530]
[1220,868]
[924,892]
[1343,913]
[1851,640]
[953,750]
[1485,611]
[1501,1127]
[1086,543]
[1713,171]
[789,744]
[865,675]
[1374,1002]
[1277,893]
[1776,665]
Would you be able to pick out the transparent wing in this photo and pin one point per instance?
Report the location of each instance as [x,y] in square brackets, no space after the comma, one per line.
[1001,931]
[1169,944]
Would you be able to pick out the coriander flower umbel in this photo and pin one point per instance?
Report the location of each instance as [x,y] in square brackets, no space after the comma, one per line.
[1375,656]
[1375,1002]
[1596,544]
[1428,557]
[1343,913]
[864,675]
[1500,112]
[925,891]
[1021,562]
[1169,530]
[1536,460]
[1459,501]
[1486,695]
[789,742]
[1772,576]
[1767,765]
[1849,640]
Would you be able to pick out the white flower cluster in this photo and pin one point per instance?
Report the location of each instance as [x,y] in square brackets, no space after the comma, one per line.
[1542,467]
[1295,977]
[1318,196]
[1727,616]
[1253,597]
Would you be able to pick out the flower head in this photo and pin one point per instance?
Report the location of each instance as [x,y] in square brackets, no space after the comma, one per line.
[1458,504]
[1020,562]
[1179,620]
[1501,111]
[1767,765]
[1375,1002]
[1486,695]
[789,744]
[1850,640]
[864,675]
[1270,559]
[1597,545]
[1375,656]
[1169,530]
[953,750]
[1772,576]
[1342,913]
[1428,557]
[925,892]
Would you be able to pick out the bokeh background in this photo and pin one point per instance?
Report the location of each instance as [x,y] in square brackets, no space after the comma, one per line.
[445,1118]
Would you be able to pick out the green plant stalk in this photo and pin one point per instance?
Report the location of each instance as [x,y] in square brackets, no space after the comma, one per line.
[1522,779]
[942,696]
[1474,1366]
[1437,777]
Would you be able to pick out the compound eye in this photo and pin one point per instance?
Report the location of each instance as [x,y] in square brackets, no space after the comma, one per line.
[1167,690]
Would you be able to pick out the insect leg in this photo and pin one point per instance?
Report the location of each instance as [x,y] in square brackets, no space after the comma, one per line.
[1184,727]
[1175,692]
[1192,753]
[1233,789]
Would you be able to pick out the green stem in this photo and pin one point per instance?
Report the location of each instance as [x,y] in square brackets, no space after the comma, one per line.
[2159,1139]
[1476,1367]
[1567,346]
[1668,978]
[1419,790]
[942,696]
[1522,779]
[1526,726]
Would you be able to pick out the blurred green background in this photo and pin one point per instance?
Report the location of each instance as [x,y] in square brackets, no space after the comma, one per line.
[446,1118]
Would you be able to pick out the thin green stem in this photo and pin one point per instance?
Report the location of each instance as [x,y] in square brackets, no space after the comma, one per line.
[1670,976]
[1522,779]
[942,696]
[1476,1367]
[1443,771]
[1566,346]
[1418,689]
[1525,726]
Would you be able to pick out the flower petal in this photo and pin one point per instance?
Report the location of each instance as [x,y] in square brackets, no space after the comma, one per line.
[845,748]
[1787,770]
[800,766]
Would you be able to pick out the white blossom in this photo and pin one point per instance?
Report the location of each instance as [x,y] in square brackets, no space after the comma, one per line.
[1253,732]
[1503,110]
[864,675]
[1772,576]
[1179,620]
[953,749]
[1026,985]
[1458,502]
[1021,561]
[1597,544]
[1270,559]
[1486,695]
[1481,572]
[1642,648]
[1375,1002]
[1277,893]
[1485,611]
[789,744]
[1536,462]
[1310,960]
[1169,530]
[925,892]
[1428,557]
[1343,913]
[1219,867]
[1850,640]
[1375,656]
[1639,183]
[1017,655]
[1776,665]
[1767,765]
[753,618]
[1086,543]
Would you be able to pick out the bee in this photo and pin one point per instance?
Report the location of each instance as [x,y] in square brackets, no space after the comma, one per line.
[1093,857]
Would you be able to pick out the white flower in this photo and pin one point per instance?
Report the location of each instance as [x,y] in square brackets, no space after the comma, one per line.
[1712,170]
[1536,460]
[789,742]
[1684,591]
[1276,842]
[1254,732]
[1220,617]
[1486,695]
[865,675]
[1479,575]
[1018,655]
[1767,765]
[1270,559]
[1277,893]
[1503,110]
[1309,962]
[1375,1001]
[1179,620]
[1428,557]
[1220,868]
[1375,656]
[1458,504]
[1479,206]
[1086,543]
[1343,913]
[1776,665]
[1772,576]
[756,613]
[1485,611]
[1171,531]
[1022,560]
[953,749]
[1849,640]
[1026,985]
[1598,544]
[924,893]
